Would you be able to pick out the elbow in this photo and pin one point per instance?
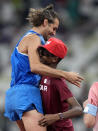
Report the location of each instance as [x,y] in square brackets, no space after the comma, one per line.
[88,125]
[35,68]
[88,121]
[79,110]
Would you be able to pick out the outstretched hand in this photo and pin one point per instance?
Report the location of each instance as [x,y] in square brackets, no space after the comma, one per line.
[74,78]
[48,119]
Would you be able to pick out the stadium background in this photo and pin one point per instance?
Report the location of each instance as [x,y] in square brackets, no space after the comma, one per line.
[78,29]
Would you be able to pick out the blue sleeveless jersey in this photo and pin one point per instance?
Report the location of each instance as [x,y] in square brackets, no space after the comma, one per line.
[21,72]
[23,95]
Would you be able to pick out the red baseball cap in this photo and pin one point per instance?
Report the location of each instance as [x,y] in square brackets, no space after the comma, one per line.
[56,47]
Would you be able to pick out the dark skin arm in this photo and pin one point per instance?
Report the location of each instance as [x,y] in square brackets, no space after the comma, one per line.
[29,46]
[76,110]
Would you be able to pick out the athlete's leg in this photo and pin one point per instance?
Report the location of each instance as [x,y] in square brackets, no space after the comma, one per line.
[20,125]
[30,120]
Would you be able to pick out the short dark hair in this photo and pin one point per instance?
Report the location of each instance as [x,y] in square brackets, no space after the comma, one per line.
[43,52]
[36,16]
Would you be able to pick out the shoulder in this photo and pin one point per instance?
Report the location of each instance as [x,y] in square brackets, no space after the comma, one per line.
[59,82]
[94,87]
[95,84]
[62,88]
[31,38]
[93,94]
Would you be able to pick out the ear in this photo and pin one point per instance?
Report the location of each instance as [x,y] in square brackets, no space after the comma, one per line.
[45,23]
[55,59]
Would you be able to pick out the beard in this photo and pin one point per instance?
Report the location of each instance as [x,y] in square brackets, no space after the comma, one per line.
[47,36]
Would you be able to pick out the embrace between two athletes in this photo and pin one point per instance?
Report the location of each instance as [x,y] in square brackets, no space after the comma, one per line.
[23,102]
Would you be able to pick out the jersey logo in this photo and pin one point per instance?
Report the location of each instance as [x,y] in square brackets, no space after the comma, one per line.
[48,42]
[43,87]
[45,80]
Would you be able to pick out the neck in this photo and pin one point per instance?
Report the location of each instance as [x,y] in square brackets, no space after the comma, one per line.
[39,30]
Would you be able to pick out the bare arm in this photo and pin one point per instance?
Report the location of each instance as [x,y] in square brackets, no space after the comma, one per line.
[35,64]
[32,42]
[73,112]
[89,120]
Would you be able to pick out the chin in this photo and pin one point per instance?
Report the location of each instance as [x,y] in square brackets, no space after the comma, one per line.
[45,38]
[49,37]
[46,63]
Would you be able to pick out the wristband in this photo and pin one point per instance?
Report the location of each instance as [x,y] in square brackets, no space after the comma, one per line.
[91,109]
[61,116]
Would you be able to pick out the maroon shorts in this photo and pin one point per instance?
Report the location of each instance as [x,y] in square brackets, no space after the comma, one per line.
[55,128]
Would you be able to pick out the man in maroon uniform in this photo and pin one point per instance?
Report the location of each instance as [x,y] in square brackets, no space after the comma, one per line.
[56,96]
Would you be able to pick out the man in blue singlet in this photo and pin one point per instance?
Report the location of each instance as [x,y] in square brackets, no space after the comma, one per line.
[23,101]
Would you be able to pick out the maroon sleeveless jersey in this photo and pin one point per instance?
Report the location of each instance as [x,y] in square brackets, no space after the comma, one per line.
[54,93]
